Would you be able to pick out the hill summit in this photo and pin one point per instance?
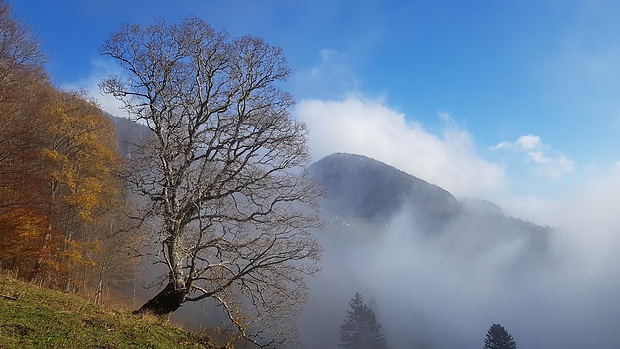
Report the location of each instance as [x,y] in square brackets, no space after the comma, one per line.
[361,188]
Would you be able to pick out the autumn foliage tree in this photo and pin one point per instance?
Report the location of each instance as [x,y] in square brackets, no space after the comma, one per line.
[222,172]
[80,166]
[59,179]
[58,169]
[22,92]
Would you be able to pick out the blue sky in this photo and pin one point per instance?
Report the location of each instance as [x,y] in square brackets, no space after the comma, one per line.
[514,101]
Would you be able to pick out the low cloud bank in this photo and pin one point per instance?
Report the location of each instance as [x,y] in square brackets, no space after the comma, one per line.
[445,291]
[368,127]
[442,293]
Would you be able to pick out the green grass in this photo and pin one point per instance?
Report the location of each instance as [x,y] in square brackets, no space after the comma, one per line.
[35,317]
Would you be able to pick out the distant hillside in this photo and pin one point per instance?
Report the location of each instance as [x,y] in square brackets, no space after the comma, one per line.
[127,132]
[366,188]
[33,317]
[363,188]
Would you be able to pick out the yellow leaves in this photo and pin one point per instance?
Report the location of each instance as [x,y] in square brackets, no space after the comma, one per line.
[20,227]
[64,181]
[58,161]
[21,236]
[81,155]
[77,254]
[55,156]
[81,162]
[87,197]
[52,265]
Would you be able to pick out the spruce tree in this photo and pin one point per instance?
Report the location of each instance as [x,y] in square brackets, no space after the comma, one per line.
[360,329]
[499,338]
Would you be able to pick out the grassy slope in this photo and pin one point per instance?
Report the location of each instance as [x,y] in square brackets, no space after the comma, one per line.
[33,317]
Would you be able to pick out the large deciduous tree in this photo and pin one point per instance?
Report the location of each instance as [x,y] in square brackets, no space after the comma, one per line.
[223,170]
[498,338]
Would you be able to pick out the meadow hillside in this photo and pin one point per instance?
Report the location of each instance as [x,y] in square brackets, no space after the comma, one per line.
[36,317]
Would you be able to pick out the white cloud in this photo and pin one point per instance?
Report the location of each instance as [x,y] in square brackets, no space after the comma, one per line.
[369,127]
[528,142]
[586,217]
[101,69]
[554,166]
[503,145]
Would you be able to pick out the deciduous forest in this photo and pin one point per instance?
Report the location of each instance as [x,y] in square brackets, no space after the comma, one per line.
[61,200]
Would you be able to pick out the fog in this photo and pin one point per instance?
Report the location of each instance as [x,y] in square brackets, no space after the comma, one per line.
[445,290]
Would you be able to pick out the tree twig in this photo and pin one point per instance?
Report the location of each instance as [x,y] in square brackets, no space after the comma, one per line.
[11,298]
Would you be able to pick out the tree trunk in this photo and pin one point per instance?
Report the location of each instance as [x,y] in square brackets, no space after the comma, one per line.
[165,302]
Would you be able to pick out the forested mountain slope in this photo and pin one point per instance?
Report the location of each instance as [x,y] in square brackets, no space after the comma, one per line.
[362,188]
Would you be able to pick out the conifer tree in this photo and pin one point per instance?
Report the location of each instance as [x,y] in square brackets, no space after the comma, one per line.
[498,338]
[360,329]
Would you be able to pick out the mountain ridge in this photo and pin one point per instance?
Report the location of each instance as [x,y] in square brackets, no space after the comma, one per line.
[385,188]
[361,188]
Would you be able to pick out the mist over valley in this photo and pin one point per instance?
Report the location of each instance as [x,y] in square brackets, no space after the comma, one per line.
[439,270]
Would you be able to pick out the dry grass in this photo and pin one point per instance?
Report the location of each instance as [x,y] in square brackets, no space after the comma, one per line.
[36,317]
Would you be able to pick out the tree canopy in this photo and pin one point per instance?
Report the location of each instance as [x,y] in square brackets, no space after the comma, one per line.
[222,173]
[498,338]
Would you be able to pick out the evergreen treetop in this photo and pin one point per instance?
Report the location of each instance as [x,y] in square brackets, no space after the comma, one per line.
[360,329]
[498,338]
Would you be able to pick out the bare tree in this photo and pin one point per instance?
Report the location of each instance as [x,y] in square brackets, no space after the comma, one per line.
[21,79]
[19,47]
[224,170]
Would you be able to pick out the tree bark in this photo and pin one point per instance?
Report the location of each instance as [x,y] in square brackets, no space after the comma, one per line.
[165,302]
